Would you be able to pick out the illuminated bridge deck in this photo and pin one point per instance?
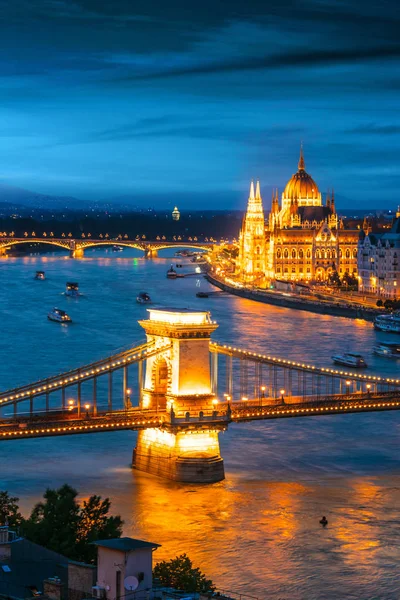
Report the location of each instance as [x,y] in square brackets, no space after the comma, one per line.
[237,412]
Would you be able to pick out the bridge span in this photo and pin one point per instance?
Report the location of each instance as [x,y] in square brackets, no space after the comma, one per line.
[77,247]
[179,390]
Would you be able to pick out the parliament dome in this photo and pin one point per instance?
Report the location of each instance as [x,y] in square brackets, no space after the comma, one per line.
[301,184]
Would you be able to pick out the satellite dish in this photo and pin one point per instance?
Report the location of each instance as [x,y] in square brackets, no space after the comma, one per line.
[131,583]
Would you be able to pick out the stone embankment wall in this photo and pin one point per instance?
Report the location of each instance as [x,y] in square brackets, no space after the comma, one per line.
[338,310]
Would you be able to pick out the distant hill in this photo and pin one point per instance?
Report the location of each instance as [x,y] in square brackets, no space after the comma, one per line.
[20,197]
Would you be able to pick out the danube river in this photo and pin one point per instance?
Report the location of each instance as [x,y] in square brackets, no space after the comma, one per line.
[258,531]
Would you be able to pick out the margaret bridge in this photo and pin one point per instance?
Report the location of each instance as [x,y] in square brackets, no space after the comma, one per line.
[179,390]
[77,247]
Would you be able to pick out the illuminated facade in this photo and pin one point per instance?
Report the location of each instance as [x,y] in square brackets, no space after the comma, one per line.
[176,215]
[378,261]
[303,238]
[252,238]
[178,379]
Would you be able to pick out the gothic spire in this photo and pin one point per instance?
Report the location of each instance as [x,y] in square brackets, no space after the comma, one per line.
[301,165]
[258,193]
[251,197]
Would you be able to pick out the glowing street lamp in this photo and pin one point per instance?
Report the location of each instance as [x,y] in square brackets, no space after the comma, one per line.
[283,396]
[348,384]
[128,403]
[87,407]
[71,403]
[368,386]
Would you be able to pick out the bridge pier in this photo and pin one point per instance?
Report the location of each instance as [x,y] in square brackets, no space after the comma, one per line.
[76,252]
[3,251]
[150,253]
[178,381]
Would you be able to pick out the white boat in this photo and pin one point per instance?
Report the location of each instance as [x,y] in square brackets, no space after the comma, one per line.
[388,323]
[58,315]
[349,359]
[143,298]
[117,248]
[387,349]
[72,289]
[40,275]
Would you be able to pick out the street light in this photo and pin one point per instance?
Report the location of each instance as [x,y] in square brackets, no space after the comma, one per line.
[71,404]
[244,398]
[128,403]
[348,384]
[368,386]
[87,406]
[282,396]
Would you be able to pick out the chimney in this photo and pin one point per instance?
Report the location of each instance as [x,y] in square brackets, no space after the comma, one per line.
[53,588]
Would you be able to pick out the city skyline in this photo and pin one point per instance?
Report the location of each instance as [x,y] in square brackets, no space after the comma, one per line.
[102,100]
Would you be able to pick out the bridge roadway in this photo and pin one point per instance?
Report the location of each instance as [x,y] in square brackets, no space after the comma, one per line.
[65,423]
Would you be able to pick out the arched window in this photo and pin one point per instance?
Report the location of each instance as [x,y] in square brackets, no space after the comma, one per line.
[279,253]
[286,253]
[347,253]
[340,253]
[328,254]
[293,253]
[317,254]
[301,253]
[308,253]
[333,253]
[355,253]
[258,250]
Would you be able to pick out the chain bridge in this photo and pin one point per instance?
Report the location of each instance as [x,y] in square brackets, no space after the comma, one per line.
[179,390]
[77,247]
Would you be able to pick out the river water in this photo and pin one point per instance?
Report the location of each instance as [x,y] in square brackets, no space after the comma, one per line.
[258,531]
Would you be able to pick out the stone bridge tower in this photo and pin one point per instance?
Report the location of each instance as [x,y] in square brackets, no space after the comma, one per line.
[178,380]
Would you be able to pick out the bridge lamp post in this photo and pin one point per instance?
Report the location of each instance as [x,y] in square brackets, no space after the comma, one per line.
[87,407]
[244,398]
[282,396]
[368,386]
[348,384]
[128,403]
[262,388]
[71,404]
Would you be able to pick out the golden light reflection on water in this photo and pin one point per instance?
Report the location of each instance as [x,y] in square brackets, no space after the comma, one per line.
[261,535]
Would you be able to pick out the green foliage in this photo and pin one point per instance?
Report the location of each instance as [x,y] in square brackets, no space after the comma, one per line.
[61,524]
[379,303]
[334,279]
[388,304]
[95,524]
[180,574]
[350,281]
[9,510]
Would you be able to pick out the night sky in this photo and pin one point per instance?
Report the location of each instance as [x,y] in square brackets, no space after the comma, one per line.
[190,100]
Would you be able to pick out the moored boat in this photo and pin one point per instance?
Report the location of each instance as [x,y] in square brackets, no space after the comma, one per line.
[72,289]
[387,349]
[40,275]
[58,315]
[350,359]
[143,298]
[388,323]
[117,248]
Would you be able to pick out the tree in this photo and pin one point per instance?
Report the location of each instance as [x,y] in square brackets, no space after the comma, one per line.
[334,279]
[54,522]
[388,304]
[9,510]
[379,303]
[61,524]
[95,524]
[180,574]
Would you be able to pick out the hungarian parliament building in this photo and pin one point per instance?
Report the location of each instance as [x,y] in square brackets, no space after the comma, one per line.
[302,239]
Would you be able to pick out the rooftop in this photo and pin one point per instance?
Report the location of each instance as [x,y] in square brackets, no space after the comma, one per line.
[125,544]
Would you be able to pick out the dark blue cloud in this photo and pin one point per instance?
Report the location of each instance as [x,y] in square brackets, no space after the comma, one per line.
[106,98]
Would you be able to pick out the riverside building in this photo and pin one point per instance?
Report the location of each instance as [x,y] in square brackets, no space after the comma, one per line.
[378,261]
[302,239]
